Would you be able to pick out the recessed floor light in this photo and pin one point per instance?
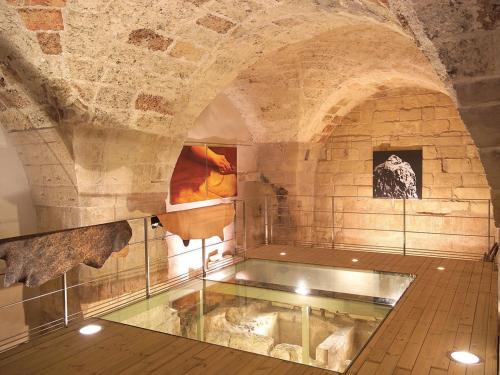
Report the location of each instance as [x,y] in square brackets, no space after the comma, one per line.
[441,268]
[355,260]
[282,253]
[302,290]
[90,329]
[466,358]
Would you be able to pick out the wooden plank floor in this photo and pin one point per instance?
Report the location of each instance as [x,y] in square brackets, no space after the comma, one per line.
[442,311]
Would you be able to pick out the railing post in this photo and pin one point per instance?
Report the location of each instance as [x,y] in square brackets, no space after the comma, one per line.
[404,226]
[244,230]
[146,259]
[203,256]
[489,226]
[235,228]
[333,222]
[65,298]
[266,221]
[305,334]
[200,326]
[271,222]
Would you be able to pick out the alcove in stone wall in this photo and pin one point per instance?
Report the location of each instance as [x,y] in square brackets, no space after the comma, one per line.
[453,176]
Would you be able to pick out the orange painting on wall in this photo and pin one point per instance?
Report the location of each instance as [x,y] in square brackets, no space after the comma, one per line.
[203,173]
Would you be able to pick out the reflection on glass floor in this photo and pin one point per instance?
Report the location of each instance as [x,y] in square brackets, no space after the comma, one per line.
[361,285]
[305,326]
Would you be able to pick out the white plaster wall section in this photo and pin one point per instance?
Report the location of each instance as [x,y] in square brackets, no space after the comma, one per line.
[220,122]
[17,213]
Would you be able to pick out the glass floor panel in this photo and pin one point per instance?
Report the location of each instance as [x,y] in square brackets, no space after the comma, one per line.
[370,286]
[301,324]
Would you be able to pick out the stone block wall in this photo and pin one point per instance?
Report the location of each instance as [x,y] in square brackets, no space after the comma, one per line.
[460,40]
[287,173]
[455,191]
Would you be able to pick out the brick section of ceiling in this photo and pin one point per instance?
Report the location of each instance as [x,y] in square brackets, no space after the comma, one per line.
[127,73]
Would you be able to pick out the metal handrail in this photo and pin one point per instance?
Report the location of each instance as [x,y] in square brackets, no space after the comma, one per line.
[146,292]
[378,230]
[367,197]
[437,215]
[271,212]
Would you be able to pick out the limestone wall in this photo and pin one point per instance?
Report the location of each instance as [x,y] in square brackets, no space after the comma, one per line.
[455,190]
[460,39]
[101,112]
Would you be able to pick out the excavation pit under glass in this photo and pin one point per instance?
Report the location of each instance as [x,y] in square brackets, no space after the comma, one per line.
[315,315]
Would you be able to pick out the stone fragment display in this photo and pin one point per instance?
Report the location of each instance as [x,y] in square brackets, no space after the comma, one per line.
[251,342]
[37,259]
[159,318]
[287,352]
[336,350]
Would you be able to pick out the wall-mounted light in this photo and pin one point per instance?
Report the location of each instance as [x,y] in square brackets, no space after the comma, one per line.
[441,268]
[282,253]
[466,358]
[155,222]
[354,260]
[90,329]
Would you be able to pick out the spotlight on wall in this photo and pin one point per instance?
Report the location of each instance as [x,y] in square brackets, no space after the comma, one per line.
[466,358]
[90,329]
[354,260]
[282,253]
[155,222]
[441,268]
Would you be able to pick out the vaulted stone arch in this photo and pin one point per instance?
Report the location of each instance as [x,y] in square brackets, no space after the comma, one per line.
[461,40]
[286,94]
[120,83]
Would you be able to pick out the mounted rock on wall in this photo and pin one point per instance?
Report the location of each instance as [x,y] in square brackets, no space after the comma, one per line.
[37,259]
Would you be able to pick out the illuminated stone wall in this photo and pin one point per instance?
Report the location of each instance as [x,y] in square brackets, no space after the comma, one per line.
[400,119]
[99,97]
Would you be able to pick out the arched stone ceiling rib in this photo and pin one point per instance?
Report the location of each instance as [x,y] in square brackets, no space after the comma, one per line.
[113,76]
[287,93]
[137,74]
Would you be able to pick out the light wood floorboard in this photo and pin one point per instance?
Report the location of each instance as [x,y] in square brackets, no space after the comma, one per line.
[442,311]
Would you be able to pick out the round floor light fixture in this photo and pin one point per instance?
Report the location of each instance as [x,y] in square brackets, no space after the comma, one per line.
[90,329]
[441,268]
[355,260]
[464,357]
[282,253]
[302,288]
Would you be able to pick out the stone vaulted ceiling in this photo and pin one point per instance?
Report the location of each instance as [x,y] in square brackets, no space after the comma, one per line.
[99,95]
[292,93]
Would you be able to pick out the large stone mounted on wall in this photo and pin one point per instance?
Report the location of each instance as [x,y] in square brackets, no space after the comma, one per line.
[37,259]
